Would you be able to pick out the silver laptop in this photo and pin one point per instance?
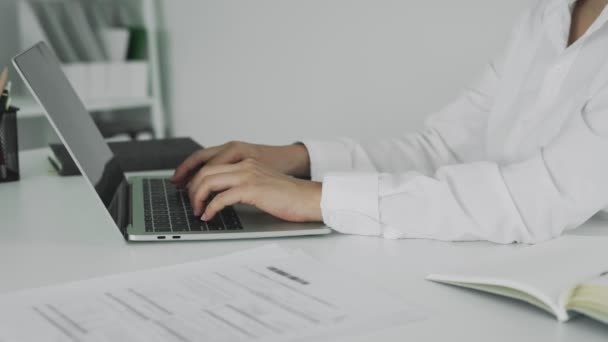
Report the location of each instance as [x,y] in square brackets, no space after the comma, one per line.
[144,209]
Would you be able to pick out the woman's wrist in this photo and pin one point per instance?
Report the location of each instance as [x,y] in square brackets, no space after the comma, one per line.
[298,160]
[313,192]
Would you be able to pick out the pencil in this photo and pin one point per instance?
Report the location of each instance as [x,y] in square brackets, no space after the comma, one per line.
[3,79]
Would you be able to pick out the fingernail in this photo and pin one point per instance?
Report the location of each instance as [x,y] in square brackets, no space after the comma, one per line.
[205,217]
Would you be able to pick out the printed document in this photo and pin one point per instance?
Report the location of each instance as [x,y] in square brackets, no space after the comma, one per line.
[267,294]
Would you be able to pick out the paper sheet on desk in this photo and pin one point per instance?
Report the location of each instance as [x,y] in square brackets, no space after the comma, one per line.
[266,294]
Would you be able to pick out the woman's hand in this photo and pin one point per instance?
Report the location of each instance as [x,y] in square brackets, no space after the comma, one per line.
[292,160]
[249,182]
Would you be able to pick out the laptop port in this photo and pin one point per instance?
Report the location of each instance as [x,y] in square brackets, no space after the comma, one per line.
[177,237]
[161,237]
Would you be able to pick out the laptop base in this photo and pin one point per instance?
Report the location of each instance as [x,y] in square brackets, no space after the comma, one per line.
[255,223]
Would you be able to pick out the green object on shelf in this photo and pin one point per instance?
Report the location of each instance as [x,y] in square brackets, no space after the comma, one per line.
[138,44]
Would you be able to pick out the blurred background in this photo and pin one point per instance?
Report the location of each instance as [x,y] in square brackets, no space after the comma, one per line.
[266,71]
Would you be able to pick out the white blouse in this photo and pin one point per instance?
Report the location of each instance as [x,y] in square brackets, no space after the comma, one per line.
[520,156]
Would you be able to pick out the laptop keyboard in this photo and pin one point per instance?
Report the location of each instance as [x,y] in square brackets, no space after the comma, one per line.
[168,210]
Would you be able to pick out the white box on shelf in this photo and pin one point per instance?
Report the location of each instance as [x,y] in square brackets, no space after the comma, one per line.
[111,80]
[119,81]
[138,79]
[98,80]
[77,75]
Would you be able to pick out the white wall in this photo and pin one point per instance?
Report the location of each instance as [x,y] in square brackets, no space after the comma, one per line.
[274,71]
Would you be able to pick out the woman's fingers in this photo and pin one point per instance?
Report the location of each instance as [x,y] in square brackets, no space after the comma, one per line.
[250,183]
[215,183]
[198,158]
[207,171]
[229,153]
[239,194]
[227,156]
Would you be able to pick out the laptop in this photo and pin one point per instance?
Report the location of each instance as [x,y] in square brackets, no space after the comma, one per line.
[143,208]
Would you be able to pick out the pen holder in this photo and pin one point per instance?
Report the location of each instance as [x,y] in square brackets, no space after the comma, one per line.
[9,146]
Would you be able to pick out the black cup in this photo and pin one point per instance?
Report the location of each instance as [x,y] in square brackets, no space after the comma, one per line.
[9,146]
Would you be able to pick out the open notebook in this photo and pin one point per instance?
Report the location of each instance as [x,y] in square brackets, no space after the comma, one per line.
[565,276]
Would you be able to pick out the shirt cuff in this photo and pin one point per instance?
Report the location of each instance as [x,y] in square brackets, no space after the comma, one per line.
[349,203]
[328,156]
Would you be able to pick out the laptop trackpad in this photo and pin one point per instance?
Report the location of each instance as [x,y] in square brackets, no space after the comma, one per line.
[257,220]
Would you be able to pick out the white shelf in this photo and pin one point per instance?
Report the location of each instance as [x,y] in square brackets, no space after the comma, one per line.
[29,108]
[154,101]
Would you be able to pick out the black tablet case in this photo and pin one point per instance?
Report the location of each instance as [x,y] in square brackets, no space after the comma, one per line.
[133,156]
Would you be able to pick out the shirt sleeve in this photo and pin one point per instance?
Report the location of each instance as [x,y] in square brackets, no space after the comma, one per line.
[530,201]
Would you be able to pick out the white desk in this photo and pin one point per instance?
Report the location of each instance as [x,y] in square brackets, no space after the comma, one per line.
[53,230]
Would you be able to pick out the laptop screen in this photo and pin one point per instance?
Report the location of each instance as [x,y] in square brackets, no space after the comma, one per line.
[41,71]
